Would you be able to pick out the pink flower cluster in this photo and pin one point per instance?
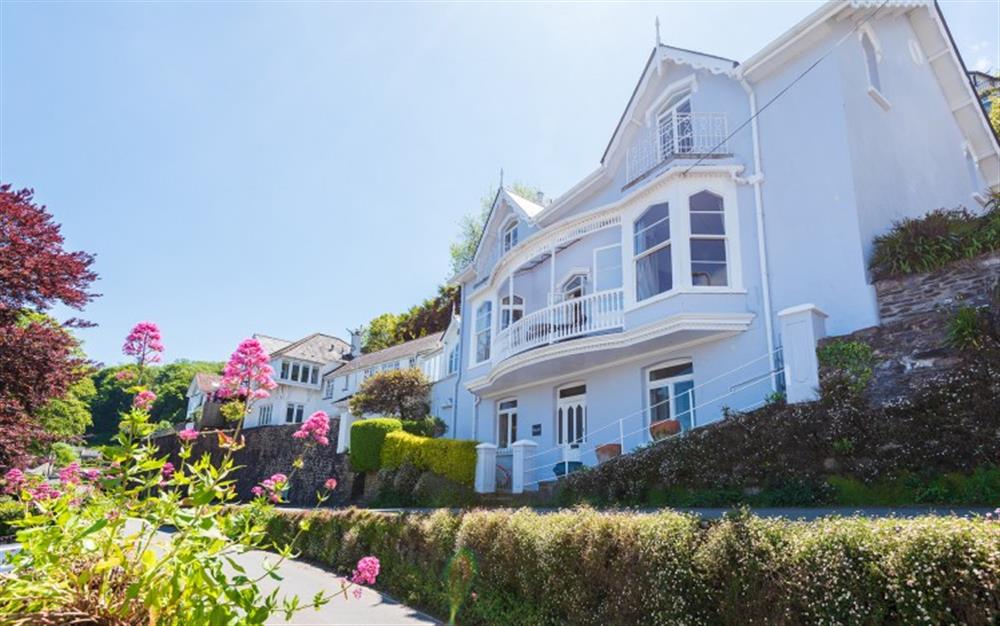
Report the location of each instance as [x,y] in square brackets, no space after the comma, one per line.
[91,474]
[124,376]
[144,343]
[143,400]
[187,435]
[366,571]
[44,491]
[13,480]
[247,373]
[167,471]
[330,484]
[70,475]
[271,487]
[316,428]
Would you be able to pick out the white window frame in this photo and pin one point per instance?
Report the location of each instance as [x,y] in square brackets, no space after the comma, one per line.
[298,412]
[265,414]
[508,236]
[871,55]
[510,411]
[486,330]
[724,238]
[661,117]
[453,356]
[597,267]
[508,309]
[650,385]
[668,242]
[586,415]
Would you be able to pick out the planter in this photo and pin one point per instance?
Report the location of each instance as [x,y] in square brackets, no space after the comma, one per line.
[664,428]
[608,451]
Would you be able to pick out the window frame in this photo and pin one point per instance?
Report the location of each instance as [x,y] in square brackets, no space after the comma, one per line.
[871,56]
[508,310]
[670,383]
[678,100]
[651,250]
[597,267]
[584,422]
[509,236]
[453,358]
[265,414]
[724,238]
[297,412]
[480,330]
[511,429]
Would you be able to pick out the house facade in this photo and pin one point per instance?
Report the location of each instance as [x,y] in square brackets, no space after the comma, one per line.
[298,369]
[731,198]
[203,406]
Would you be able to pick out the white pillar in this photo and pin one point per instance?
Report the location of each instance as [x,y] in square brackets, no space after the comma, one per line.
[344,432]
[486,468]
[801,329]
[521,449]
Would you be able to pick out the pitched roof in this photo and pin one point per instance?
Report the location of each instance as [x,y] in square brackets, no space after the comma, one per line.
[317,347]
[427,343]
[271,344]
[207,383]
[529,207]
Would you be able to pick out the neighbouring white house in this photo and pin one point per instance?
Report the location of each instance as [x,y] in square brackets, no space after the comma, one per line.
[435,355]
[298,370]
[728,226]
[203,406]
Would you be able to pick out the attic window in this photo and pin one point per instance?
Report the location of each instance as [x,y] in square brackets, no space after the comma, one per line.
[873,56]
[510,236]
[673,126]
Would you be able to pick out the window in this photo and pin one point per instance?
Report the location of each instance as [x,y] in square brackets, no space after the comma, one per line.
[413,361]
[314,375]
[671,394]
[871,60]
[571,415]
[653,262]
[293,413]
[295,372]
[510,236]
[264,414]
[506,423]
[453,357]
[284,370]
[708,241]
[510,313]
[575,287]
[484,320]
[347,377]
[329,389]
[674,126]
[608,268]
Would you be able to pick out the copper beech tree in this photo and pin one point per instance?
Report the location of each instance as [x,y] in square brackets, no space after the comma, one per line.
[402,393]
[38,357]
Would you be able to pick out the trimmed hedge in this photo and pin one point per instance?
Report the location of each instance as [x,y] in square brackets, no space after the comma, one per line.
[366,441]
[452,458]
[584,567]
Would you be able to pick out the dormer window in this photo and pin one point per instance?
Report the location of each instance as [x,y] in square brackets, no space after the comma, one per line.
[674,126]
[510,236]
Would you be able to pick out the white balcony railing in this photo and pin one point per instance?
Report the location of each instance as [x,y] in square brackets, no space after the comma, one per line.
[684,135]
[593,313]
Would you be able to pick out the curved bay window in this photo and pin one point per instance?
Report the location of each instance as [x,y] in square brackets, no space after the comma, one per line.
[708,240]
[484,321]
[654,272]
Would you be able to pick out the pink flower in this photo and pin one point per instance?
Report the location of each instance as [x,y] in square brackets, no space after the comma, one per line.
[13,480]
[168,470]
[247,373]
[91,474]
[124,375]
[187,435]
[317,427]
[366,571]
[272,487]
[330,484]
[357,593]
[257,491]
[70,475]
[44,491]
[143,342]
[143,400]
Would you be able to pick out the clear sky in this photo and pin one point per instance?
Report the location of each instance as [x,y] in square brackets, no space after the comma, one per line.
[290,168]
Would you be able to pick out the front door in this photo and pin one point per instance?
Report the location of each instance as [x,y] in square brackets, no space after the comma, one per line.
[571,416]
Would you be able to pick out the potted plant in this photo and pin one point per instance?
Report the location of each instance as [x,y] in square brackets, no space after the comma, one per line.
[664,428]
[608,451]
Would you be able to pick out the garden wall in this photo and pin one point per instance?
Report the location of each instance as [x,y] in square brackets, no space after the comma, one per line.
[270,450]
[582,567]
[964,282]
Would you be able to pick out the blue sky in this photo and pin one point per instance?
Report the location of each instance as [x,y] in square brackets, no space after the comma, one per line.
[291,168]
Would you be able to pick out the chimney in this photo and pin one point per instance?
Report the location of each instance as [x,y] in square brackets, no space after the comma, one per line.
[540,198]
[356,341]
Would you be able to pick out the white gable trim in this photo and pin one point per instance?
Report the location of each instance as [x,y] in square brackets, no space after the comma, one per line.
[689,83]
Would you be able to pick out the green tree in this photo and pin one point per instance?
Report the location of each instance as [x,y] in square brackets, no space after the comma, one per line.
[111,399]
[470,227]
[380,333]
[170,384]
[69,416]
[995,112]
[401,393]
[430,316]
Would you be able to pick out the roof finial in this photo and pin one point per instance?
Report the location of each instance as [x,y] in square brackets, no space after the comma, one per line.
[501,178]
[658,44]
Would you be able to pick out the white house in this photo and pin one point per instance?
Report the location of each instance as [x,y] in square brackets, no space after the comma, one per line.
[734,208]
[202,407]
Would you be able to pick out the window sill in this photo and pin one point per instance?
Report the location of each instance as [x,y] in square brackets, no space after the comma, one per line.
[684,292]
[879,99]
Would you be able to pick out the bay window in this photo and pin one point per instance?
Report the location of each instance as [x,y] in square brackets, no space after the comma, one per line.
[510,311]
[654,272]
[484,322]
[608,268]
[708,240]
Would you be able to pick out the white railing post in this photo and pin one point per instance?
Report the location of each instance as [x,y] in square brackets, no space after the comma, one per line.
[621,433]
[344,431]
[801,327]
[519,468]
[486,468]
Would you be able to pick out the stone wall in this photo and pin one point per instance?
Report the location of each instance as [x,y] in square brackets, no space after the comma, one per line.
[966,282]
[270,450]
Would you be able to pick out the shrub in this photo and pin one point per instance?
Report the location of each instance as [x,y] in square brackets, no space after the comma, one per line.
[934,240]
[366,442]
[452,458]
[63,454]
[426,427]
[10,510]
[583,567]
[851,363]
[402,393]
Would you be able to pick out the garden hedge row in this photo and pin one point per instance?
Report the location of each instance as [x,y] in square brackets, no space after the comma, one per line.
[366,441]
[452,458]
[584,567]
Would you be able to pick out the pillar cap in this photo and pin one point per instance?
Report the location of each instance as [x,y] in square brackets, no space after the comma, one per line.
[802,308]
[524,443]
[486,446]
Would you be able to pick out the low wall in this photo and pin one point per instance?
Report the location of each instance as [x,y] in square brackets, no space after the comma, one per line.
[966,282]
[270,450]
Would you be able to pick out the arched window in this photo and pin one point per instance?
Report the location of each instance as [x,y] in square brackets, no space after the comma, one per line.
[673,125]
[871,60]
[484,321]
[654,272]
[510,312]
[708,240]
[510,235]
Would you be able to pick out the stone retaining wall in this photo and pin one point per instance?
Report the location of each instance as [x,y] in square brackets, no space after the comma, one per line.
[270,450]
[966,282]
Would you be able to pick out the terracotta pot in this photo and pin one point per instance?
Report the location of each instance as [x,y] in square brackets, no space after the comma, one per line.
[608,451]
[664,428]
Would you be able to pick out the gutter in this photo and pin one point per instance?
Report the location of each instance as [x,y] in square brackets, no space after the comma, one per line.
[757,180]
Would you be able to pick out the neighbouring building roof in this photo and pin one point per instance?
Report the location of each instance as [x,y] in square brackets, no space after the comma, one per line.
[207,383]
[271,344]
[428,343]
[317,347]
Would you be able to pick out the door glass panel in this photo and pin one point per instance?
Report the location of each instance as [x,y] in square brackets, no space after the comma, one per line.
[502,438]
[683,402]
[659,404]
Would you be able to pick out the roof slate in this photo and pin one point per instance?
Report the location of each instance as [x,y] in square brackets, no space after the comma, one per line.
[428,343]
[317,347]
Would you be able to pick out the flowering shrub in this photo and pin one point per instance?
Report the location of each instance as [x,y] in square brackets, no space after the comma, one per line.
[584,567]
[93,551]
[315,429]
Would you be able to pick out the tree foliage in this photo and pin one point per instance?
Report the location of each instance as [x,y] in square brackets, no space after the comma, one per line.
[170,384]
[69,417]
[39,359]
[401,393]
[995,112]
[430,316]
[380,333]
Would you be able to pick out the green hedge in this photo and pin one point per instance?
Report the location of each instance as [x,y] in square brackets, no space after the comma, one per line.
[366,441]
[584,567]
[451,458]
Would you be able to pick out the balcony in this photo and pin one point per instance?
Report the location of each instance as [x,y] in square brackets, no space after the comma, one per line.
[682,135]
[578,317]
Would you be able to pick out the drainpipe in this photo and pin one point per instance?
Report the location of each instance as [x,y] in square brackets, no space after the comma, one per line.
[757,179]
[461,361]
